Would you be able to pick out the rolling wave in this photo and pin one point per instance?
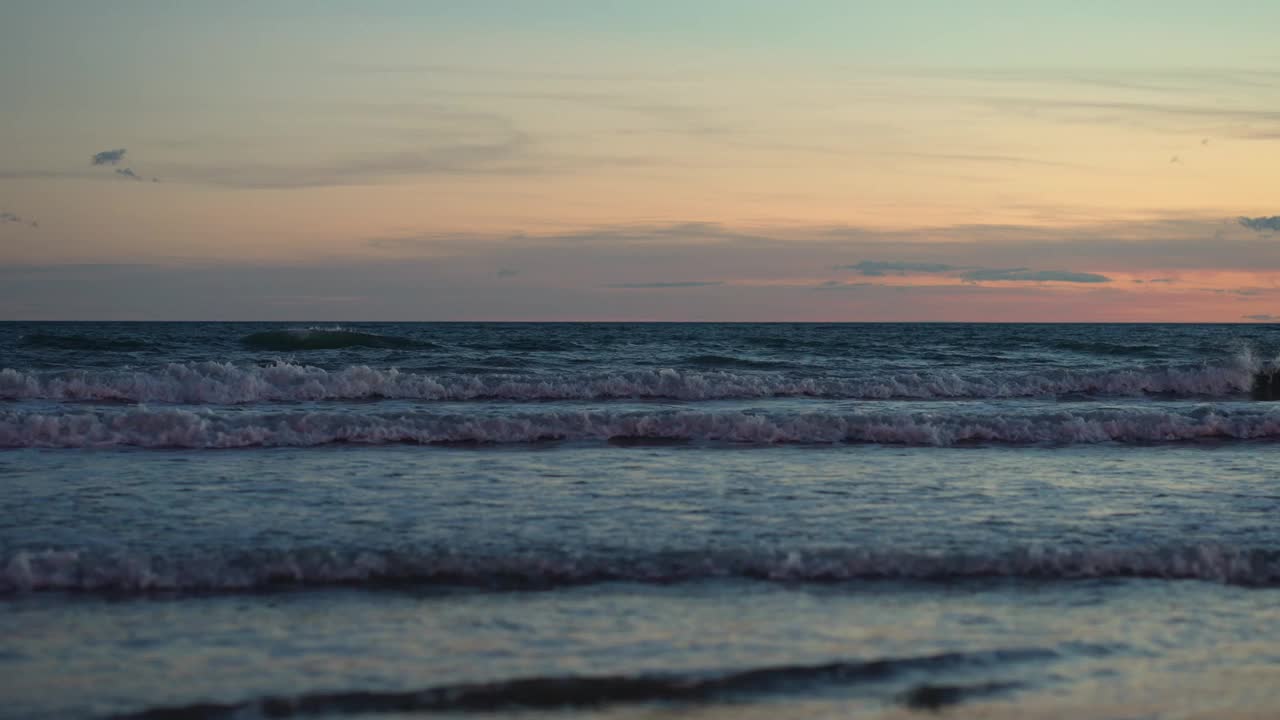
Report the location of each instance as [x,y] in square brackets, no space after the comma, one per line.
[228,383]
[577,691]
[299,339]
[728,361]
[180,428]
[26,571]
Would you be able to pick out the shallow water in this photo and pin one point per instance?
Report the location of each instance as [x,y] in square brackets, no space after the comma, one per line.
[630,521]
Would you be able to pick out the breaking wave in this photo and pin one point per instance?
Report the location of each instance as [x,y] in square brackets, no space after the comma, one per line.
[27,571]
[593,691]
[215,382]
[299,339]
[180,428]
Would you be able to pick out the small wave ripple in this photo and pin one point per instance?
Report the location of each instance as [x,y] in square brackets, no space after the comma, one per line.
[84,343]
[181,428]
[576,691]
[79,570]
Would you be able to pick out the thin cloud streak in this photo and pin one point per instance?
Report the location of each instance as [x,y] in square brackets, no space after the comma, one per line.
[1025,275]
[876,268]
[662,285]
[511,156]
[1007,253]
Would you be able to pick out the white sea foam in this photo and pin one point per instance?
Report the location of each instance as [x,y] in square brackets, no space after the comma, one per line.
[206,428]
[227,383]
[85,570]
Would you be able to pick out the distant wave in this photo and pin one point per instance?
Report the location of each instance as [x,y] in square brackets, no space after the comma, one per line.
[214,382]
[179,428]
[793,344]
[587,691]
[99,571]
[733,362]
[1098,347]
[536,345]
[525,344]
[299,339]
[84,343]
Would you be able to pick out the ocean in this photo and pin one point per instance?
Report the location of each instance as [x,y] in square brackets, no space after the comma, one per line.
[217,520]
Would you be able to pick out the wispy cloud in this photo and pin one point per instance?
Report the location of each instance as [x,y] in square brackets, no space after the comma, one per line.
[457,134]
[1243,292]
[507,272]
[108,157]
[517,155]
[838,285]
[1262,317]
[128,173]
[640,236]
[1025,275]
[877,268]
[1174,101]
[1262,224]
[36,174]
[508,156]
[880,268]
[1180,80]
[475,70]
[1125,111]
[8,217]
[660,285]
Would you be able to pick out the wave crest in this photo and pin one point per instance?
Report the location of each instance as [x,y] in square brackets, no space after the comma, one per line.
[299,339]
[214,382]
[178,428]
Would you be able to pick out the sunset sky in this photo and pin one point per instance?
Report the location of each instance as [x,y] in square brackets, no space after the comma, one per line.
[605,160]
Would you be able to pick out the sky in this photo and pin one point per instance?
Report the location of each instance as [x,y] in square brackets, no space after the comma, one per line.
[817,160]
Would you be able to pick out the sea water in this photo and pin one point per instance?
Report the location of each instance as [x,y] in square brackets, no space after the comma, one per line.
[215,520]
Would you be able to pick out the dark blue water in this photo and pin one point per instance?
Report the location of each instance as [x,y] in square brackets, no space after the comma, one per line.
[767,520]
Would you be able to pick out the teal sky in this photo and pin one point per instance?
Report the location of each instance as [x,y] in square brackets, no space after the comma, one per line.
[708,160]
[973,34]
